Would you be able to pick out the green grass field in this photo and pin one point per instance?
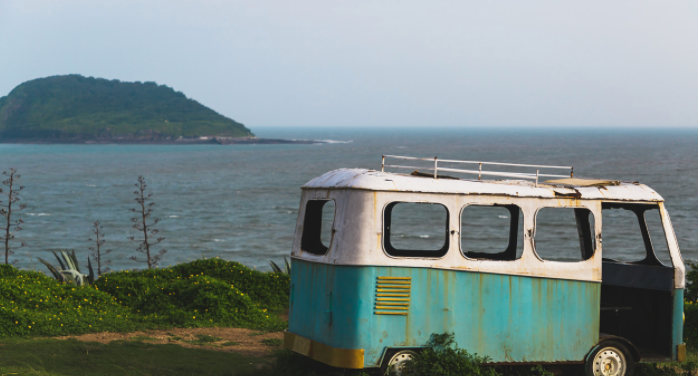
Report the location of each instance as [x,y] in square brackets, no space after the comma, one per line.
[56,357]
[202,293]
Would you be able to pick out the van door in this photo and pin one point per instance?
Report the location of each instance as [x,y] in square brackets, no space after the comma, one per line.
[637,292]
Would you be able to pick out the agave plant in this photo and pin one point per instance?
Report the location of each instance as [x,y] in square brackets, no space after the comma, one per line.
[70,269]
[277,268]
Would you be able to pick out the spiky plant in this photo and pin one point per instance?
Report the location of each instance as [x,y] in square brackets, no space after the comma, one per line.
[140,223]
[6,210]
[69,270]
[277,269]
[97,252]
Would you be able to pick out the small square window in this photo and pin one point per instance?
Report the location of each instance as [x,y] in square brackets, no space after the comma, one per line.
[317,226]
[491,232]
[413,229]
[564,234]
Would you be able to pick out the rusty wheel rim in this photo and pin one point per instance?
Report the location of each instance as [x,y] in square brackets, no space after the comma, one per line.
[609,361]
[398,361]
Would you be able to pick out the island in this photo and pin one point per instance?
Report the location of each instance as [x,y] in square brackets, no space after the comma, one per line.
[77,109]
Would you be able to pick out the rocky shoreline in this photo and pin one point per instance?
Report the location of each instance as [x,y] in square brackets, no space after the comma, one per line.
[206,140]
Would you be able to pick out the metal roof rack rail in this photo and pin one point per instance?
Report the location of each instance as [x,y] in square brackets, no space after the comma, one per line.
[479,172]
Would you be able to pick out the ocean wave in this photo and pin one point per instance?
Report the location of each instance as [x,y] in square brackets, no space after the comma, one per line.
[90,185]
[43,214]
[336,141]
[219,240]
[173,216]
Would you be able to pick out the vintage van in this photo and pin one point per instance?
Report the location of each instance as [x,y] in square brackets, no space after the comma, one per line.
[514,268]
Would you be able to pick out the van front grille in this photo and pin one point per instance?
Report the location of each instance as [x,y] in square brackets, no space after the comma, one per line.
[393,295]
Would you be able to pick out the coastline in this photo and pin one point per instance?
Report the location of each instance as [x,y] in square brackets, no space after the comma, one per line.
[206,140]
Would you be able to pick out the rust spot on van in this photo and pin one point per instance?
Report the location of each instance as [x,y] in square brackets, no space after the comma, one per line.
[576,194]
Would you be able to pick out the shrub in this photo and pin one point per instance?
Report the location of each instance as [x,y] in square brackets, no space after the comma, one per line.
[442,357]
[204,301]
[268,291]
[690,327]
[32,304]
[8,271]
[653,369]
[691,292]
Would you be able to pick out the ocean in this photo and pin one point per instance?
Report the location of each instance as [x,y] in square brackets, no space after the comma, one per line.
[240,202]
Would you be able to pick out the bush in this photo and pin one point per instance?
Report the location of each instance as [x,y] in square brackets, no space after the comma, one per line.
[32,304]
[690,327]
[691,292]
[205,301]
[653,369]
[690,308]
[267,290]
[201,293]
[442,357]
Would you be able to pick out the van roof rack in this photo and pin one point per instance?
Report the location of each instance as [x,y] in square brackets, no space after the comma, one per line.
[479,172]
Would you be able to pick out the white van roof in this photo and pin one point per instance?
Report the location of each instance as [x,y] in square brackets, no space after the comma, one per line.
[585,189]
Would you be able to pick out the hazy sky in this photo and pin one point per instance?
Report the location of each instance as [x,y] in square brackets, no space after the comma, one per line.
[378,63]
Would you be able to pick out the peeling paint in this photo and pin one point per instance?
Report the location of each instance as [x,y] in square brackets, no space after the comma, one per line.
[385,181]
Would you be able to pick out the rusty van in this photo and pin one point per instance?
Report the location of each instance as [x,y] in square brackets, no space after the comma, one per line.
[538,268]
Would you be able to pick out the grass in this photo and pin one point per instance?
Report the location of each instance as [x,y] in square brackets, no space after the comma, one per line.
[273,342]
[202,293]
[143,338]
[175,337]
[690,368]
[52,357]
[203,339]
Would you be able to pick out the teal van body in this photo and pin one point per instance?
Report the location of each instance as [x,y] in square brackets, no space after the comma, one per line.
[510,319]
[363,293]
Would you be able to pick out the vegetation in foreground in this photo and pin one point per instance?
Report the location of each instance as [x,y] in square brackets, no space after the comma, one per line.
[53,357]
[202,293]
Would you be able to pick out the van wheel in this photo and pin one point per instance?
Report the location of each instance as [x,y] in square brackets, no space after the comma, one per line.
[610,358]
[395,361]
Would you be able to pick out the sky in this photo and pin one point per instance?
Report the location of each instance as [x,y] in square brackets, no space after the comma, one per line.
[591,63]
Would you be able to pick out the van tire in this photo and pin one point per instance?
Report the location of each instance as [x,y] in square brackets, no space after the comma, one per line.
[395,357]
[610,355]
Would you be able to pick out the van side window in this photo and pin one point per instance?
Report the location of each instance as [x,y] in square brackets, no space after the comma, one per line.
[414,229]
[317,226]
[490,232]
[564,234]
[633,233]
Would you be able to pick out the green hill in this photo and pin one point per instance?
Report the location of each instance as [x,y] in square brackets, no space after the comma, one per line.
[77,107]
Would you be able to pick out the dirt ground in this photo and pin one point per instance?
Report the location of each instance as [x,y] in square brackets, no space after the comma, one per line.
[247,342]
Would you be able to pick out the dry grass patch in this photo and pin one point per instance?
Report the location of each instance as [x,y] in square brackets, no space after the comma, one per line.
[235,340]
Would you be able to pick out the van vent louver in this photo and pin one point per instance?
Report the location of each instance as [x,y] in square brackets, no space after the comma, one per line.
[393,295]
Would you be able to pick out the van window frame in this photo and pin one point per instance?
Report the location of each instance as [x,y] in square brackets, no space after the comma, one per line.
[511,246]
[401,253]
[316,239]
[592,236]
[639,209]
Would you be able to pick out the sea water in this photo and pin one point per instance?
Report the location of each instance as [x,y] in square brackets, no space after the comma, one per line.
[240,202]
